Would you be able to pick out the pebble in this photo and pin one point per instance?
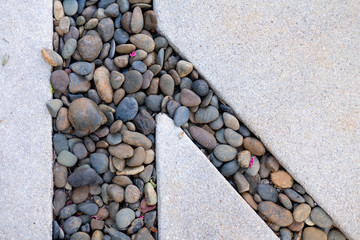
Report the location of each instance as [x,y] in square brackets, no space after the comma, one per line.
[184,68]
[62,122]
[203,137]
[143,233]
[59,201]
[244,131]
[144,122]
[127,109]
[272,164]
[67,158]
[52,57]
[200,87]
[312,233]
[124,218]
[217,124]
[294,196]
[233,138]
[64,25]
[121,151]
[133,81]
[144,42]
[299,188]
[89,47]
[60,175]
[285,201]
[254,169]
[78,84]
[81,68]
[105,29]
[121,37]
[114,138]
[285,234]
[241,183]
[320,218]
[58,10]
[267,192]
[225,153]
[80,236]
[231,121]
[244,158]
[229,168]
[282,179]
[276,214]
[189,98]
[59,80]
[85,115]
[136,139]
[105,3]
[150,194]
[181,116]
[150,20]
[123,5]
[84,176]
[115,192]
[132,194]
[103,85]
[185,83]
[54,106]
[88,208]
[72,225]
[80,194]
[335,235]
[206,115]
[137,20]
[301,212]
[69,48]
[112,10]
[99,162]
[296,226]
[167,85]
[254,146]
[70,7]
[137,159]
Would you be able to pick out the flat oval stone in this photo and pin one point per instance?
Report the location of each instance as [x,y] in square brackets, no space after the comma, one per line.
[123,5]
[103,85]
[133,81]
[112,10]
[203,137]
[67,158]
[121,151]
[167,85]
[200,87]
[124,217]
[132,194]
[121,61]
[229,168]
[78,84]
[254,146]
[184,68]
[72,225]
[85,115]
[51,57]
[294,196]
[80,236]
[58,10]
[282,179]
[233,138]
[136,139]
[267,192]
[54,106]
[181,116]
[225,153]
[60,175]
[301,212]
[206,115]
[276,214]
[125,48]
[69,48]
[254,169]
[189,98]
[335,235]
[150,194]
[70,7]
[84,176]
[137,20]
[59,80]
[99,162]
[121,36]
[127,109]
[244,158]
[144,122]
[88,208]
[138,158]
[114,138]
[89,47]
[105,29]
[171,107]
[231,121]
[272,164]
[320,218]
[150,20]
[139,66]
[115,192]
[312,233]
[81,68]
[143,42]
[153,102]
[285,201]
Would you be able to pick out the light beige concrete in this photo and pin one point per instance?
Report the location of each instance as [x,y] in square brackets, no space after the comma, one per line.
[25,124]
[194,199]
[291,71]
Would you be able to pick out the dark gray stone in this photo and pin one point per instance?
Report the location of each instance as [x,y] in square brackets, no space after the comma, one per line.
[127,109]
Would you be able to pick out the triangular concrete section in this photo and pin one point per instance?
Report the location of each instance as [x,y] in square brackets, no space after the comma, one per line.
[195,200]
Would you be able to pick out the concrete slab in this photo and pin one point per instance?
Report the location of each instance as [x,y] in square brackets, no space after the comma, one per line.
[290,70]
[194,199]
[25,124]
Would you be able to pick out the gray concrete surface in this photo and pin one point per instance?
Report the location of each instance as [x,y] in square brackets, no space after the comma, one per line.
[194,199]
[25,124]
[290,69]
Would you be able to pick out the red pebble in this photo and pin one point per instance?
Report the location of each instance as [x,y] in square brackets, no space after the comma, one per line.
[144,208]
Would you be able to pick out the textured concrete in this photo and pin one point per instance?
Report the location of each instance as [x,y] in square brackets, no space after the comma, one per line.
[290,69]
[25,124]
[194,199]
